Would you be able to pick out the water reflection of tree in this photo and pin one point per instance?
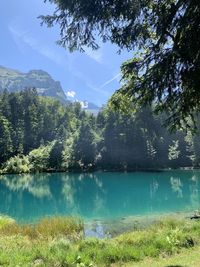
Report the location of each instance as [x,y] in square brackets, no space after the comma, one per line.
[84,194]
[23,196]
[176,186]
[95,195]
[194,189]
[154,187]
[48,194]
[38,185]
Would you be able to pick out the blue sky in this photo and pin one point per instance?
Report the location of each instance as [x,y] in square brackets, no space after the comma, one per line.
[25,45]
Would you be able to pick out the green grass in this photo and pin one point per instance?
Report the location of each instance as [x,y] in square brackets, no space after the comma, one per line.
[5,221]
[47,228]
[60,242]
[185,258]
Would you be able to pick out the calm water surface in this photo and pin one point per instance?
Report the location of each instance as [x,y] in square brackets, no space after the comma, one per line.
[98,196]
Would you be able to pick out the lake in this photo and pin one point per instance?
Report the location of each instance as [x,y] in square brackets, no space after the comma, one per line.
[100,195]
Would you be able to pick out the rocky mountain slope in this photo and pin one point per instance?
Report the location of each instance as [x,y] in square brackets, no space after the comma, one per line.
[14,80]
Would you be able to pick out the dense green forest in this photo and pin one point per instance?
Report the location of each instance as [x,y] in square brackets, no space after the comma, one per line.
[41,134]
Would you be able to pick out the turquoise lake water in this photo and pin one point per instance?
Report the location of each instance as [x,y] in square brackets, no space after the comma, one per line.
[100,195]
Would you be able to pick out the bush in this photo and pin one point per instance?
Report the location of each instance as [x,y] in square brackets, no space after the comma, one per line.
[17,164]
[39,158]
[36,161]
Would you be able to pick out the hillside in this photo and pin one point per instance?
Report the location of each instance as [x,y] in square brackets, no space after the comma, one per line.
[14,80]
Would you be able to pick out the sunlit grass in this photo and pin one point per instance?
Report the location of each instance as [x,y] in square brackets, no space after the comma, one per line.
[60,242]
[48,227]
[5,221]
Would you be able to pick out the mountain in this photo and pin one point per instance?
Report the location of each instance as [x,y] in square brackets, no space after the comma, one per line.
[14,81]
[92,106]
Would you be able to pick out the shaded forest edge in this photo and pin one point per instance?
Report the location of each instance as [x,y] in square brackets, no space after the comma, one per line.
[60,241]
[40,134]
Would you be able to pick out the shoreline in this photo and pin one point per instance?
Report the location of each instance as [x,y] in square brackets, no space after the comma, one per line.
[106,170]
[102,228]
[111,227]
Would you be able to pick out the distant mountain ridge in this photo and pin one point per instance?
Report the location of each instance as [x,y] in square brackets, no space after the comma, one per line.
[14,81]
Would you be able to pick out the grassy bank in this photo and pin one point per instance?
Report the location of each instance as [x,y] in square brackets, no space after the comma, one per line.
[61,242]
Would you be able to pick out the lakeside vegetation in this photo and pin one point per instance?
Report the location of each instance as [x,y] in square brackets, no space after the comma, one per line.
[39,134]
[160,85]
[60,241]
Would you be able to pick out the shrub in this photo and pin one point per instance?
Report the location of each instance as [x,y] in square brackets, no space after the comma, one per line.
[39,158]
[17,164]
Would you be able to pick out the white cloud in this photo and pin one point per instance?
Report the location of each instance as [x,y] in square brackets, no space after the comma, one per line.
[71,94]
[96,55]
[84,104]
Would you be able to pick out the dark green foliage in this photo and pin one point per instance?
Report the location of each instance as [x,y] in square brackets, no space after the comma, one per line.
[84,146]
[56,155]
[40,134]
[166,35]
[5,139]
[138,141]
[39,158]
[80,20]
[37,127]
